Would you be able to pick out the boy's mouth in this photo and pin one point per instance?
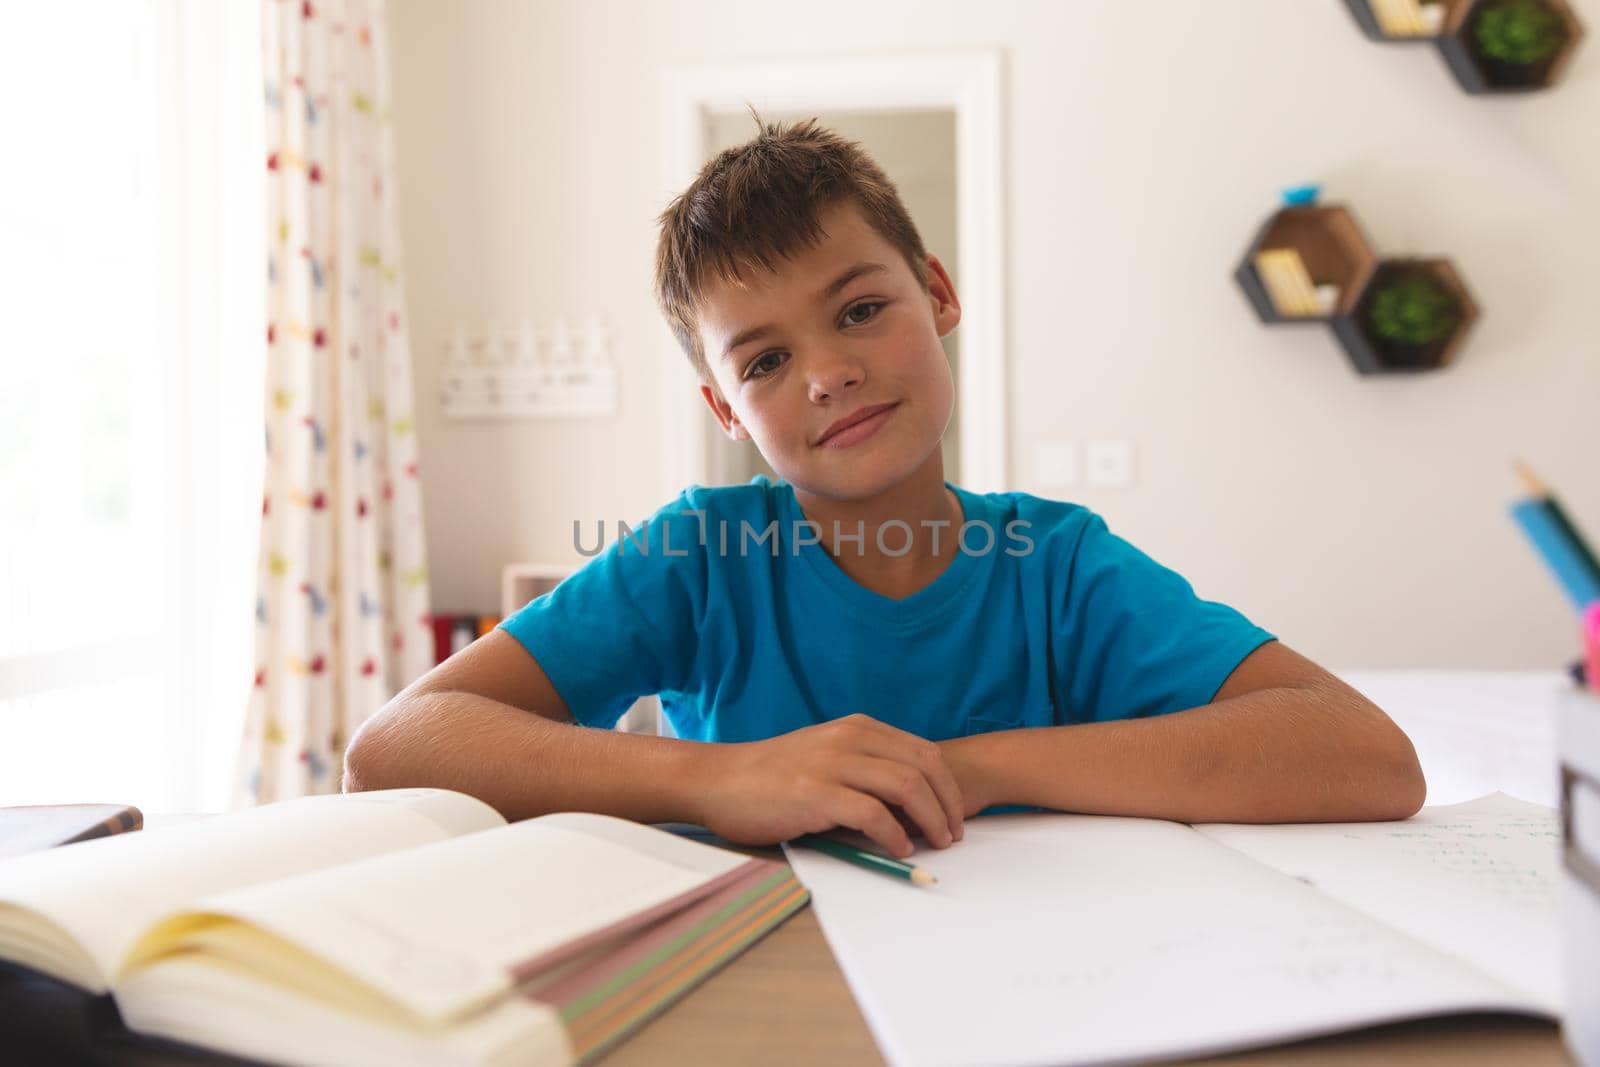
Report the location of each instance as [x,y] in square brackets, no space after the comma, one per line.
[856,426]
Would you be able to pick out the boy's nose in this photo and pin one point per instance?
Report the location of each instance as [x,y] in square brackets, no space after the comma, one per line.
[832,377]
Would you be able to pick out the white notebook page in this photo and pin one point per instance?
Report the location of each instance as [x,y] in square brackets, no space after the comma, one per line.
[1074,939]
[1477,879]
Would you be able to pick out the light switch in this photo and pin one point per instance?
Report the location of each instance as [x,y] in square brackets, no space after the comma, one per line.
[1109,464]
[1057,463]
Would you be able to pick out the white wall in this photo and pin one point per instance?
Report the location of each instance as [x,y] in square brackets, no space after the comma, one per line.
[1363,520]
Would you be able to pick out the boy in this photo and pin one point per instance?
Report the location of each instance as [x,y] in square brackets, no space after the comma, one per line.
[861,644]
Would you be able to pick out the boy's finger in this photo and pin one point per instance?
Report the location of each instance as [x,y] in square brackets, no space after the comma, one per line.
[945,786]
[906,748]
[859,811]
[905,787]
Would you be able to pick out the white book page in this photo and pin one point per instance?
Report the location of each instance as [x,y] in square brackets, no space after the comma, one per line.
[1478,880]
[277,1024]
[1072,939]
[439,929]
[95,898]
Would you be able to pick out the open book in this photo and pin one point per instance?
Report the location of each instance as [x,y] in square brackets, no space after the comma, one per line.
[1073,939]
[406,926]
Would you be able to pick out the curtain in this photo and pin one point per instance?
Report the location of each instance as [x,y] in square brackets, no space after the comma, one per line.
[342,582]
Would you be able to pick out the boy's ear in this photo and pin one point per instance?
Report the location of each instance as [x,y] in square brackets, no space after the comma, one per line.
[942,296]
[724,412]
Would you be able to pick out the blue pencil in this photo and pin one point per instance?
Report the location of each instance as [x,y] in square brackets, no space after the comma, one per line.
[1558,541]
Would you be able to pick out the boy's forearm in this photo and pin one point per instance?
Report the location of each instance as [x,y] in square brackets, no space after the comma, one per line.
[523,764]
[1274,755]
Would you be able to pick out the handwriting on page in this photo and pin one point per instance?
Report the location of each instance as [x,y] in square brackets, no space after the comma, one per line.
[1478,880]
[1315,953]
[1467,849]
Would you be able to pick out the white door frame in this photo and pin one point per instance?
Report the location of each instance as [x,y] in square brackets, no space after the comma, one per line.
[968,83]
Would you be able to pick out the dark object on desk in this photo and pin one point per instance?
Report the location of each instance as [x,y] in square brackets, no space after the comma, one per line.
[39,826]
[46,1021]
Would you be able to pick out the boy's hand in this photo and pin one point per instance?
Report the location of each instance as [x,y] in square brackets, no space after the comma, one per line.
[852,772]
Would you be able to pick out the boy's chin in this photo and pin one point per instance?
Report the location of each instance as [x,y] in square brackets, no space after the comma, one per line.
[846,478]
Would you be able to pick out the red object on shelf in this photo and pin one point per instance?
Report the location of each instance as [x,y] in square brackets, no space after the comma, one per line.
[442,625]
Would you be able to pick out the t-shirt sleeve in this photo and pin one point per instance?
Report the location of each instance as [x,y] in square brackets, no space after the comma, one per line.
[1133,639]
[622,626]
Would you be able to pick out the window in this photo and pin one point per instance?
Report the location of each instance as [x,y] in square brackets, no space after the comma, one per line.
[130,399]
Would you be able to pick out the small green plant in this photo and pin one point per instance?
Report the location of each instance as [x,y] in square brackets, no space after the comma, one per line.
[1522,32]
[1414,309]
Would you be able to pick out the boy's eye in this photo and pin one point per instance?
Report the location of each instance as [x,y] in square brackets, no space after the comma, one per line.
[755,369]
[866,305]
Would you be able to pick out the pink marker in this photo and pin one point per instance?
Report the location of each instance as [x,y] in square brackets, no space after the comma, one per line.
[1591,644]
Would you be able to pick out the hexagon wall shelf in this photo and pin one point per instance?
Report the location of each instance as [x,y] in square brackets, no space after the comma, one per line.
[1335,258]
[1453,312]
[1311,263]
[1534,39]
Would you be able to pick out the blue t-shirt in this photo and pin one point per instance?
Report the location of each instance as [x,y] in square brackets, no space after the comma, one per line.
[723,604]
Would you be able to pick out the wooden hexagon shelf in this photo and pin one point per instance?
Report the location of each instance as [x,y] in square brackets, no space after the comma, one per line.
[1509,46]
[1311,263]
[1306,264]
[1490,46]
[1411,315]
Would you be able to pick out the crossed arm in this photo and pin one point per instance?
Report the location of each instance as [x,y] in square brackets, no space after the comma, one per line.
[1283,741]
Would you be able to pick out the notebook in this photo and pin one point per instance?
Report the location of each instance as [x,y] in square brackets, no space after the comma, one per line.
[36,826]
[1075,939]
[404,926]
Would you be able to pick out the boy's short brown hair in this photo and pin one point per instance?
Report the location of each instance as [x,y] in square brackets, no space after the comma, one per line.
[761,200]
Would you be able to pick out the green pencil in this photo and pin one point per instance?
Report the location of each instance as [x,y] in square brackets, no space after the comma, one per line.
[872,861]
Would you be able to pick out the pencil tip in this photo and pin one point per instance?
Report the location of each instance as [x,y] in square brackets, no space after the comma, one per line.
[1529,479]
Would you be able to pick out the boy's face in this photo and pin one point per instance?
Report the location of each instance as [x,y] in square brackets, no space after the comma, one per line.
[832,351]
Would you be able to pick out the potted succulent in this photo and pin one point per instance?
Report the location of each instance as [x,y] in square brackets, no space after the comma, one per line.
[1411,316]
[1515,40]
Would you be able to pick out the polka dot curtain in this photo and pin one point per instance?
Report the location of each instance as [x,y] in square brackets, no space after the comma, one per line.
[342,605]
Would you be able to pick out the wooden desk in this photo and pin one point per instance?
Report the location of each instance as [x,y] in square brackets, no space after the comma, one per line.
[785,1002]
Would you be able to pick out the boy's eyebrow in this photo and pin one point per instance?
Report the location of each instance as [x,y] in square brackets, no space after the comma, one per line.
[744,337]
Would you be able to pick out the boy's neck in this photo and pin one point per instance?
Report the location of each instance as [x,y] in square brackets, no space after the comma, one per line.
[921,502]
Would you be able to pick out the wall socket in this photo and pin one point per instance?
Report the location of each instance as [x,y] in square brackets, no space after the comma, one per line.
[1106,464]
[1057,463]
[1109,464]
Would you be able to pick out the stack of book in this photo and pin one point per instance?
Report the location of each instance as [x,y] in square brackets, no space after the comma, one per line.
[1289,285]
[1409,18]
